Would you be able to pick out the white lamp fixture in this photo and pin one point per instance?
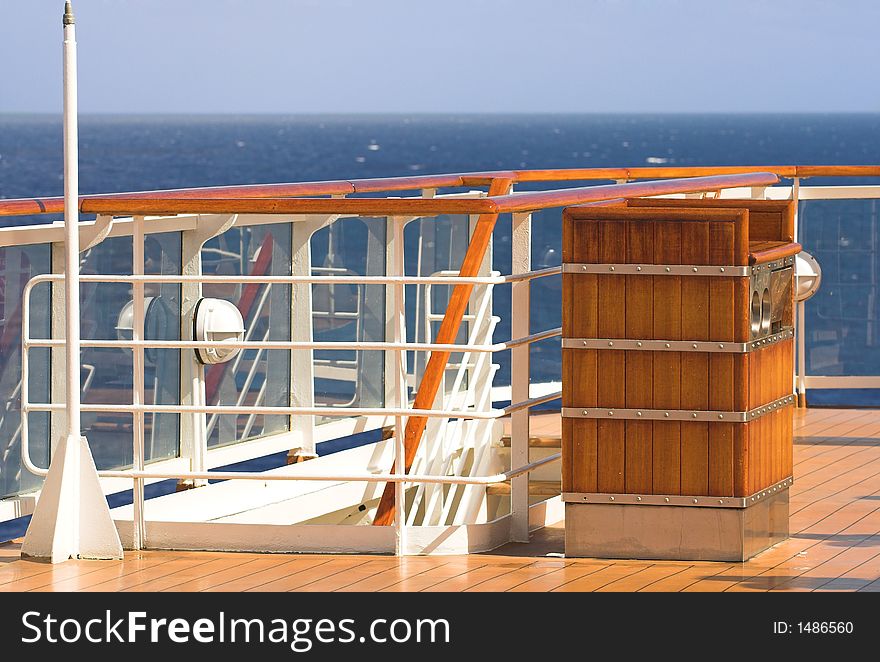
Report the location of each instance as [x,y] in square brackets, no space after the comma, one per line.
[125,320]
[217,321]
[808,276]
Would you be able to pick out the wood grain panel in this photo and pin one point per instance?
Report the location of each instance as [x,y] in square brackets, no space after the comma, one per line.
[721,328]
[741,438]
[788,448]
[770,220]
[695,365]
[611,364]
[579,367]
[639,365]
[667,365]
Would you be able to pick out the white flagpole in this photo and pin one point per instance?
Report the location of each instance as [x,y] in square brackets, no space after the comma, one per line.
[71,225]
[71,518]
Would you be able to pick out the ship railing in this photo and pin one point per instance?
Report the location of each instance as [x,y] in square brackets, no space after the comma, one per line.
[520,205]
[139,408]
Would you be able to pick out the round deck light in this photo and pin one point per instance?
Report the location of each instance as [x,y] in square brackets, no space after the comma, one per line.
[217,321]
[808,276]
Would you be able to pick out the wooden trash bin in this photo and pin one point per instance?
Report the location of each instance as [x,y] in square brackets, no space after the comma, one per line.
[677,378]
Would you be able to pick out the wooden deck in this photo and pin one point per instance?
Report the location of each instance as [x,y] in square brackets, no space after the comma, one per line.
[835,545]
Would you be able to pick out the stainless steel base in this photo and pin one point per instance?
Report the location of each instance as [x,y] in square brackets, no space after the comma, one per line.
[630,531]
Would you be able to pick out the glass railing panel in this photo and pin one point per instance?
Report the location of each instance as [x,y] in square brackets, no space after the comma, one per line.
[843,318]
[349,313]
[18,264]
[107,313]
[259,377]
[434,246]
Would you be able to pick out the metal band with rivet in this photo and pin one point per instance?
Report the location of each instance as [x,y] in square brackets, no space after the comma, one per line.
[680,414]
[676,500]
[675,269]
[775,264]
[678,345]
[657,269]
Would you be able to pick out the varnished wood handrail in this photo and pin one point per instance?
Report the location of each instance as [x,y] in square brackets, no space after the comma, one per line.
[360,206]
[54,205]
[494,204]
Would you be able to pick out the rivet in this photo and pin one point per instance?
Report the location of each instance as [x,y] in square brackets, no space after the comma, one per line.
[694,414]
[720,415]
[584,267]
[638,344]
[695,270]
[610,268]
[638,413]
[667,499]
[668,269]
[721,501]
[666,414]
[722,269]
[638,498]
[585,343]
[610,344]
[720,346]
[585,412]
[694,345]
[611,413]
[695,500]
[668,345]
[612,498]
[638,268]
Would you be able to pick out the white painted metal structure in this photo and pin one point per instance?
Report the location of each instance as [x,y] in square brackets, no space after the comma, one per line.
[465,405]
[72,518]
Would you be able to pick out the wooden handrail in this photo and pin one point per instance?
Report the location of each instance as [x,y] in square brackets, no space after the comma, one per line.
[535,200]
[494,204]
[360,206]
[54,205]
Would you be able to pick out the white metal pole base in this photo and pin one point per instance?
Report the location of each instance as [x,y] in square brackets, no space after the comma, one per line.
[71,518]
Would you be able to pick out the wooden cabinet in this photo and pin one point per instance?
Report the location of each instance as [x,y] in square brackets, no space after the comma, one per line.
[677,355]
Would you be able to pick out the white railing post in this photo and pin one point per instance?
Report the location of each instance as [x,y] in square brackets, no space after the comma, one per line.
[395,369]
[302,370]
[521,262]
[194,428]
[800,330]
[137,334]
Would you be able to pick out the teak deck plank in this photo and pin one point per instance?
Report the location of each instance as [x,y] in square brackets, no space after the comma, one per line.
[572,571]
[596,580]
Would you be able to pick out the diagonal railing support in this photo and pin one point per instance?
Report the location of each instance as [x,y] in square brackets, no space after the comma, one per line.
[433,375]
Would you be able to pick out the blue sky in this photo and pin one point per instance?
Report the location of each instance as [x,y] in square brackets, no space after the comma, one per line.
[341,56]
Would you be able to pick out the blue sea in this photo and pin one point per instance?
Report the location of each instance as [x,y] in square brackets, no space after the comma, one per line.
[129,153]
